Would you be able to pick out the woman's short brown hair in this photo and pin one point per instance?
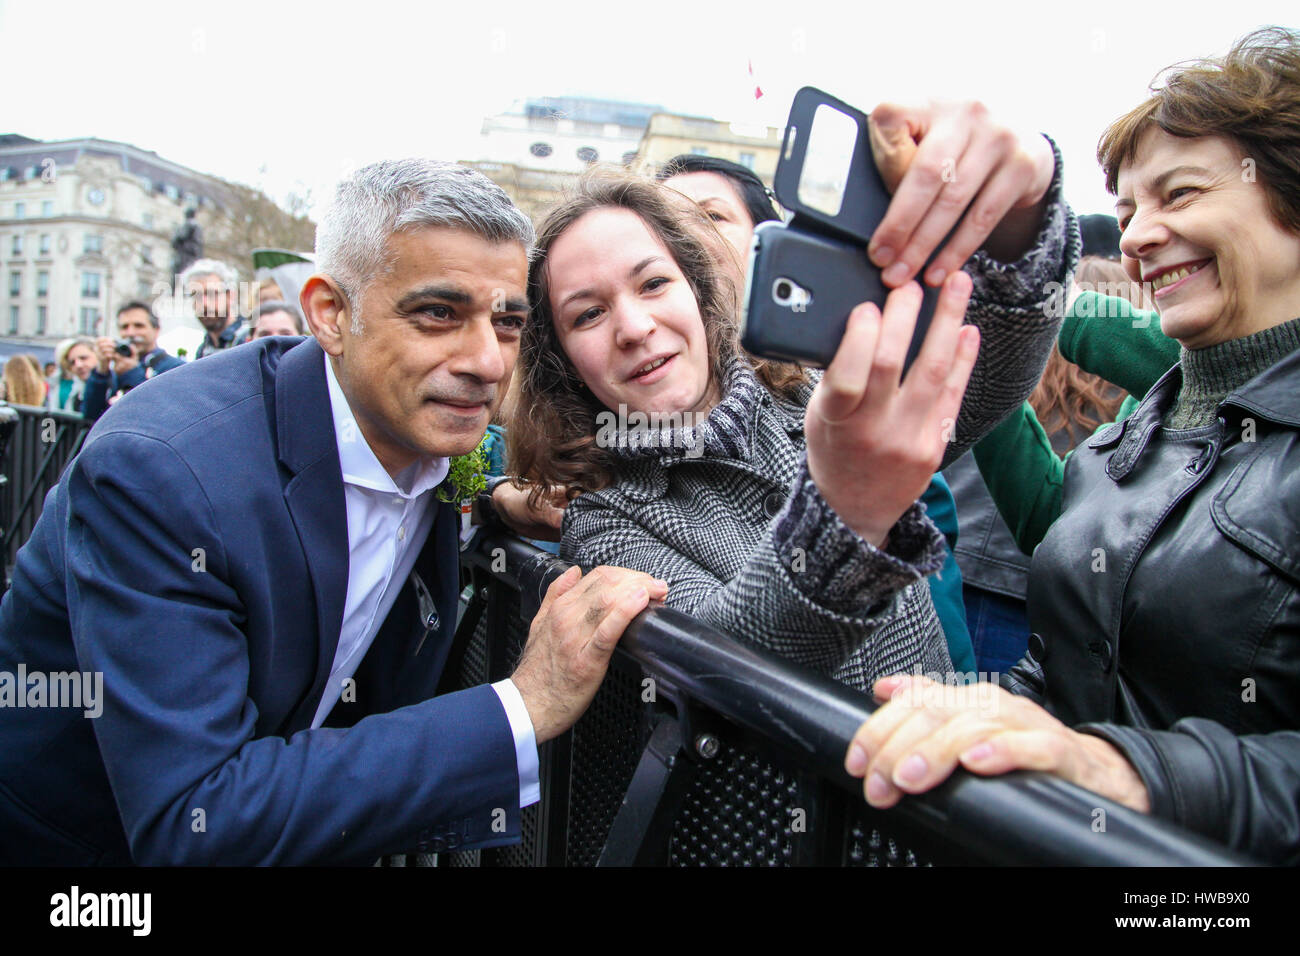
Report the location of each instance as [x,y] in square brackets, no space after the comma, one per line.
[1251,96]
[552,435]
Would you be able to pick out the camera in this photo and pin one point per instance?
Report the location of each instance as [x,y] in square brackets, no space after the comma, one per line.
[124,347]
[806,276]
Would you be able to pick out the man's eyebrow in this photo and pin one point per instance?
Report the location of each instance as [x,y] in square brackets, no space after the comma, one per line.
[457,296]
[447,293]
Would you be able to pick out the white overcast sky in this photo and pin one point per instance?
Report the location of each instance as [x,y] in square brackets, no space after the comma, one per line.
[290,97]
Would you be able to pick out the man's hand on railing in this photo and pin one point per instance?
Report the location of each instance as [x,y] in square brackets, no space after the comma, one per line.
[572,637]
[926,729]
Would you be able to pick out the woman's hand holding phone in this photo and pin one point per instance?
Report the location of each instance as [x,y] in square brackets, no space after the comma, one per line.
[874,442]
[950,162]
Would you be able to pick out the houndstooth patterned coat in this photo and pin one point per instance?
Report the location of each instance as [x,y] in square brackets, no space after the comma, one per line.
[743,536]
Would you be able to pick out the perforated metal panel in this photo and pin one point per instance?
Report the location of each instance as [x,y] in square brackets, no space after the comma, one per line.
[607,742]
[740,811]
[473,672]
[869,846]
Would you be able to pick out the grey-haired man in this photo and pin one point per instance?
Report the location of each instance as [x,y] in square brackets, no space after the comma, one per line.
[274,620]
[213,288]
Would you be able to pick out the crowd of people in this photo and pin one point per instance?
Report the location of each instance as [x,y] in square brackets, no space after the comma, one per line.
[1119,542]
[89,374]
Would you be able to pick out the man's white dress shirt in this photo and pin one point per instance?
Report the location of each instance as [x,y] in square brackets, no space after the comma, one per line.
[388,522]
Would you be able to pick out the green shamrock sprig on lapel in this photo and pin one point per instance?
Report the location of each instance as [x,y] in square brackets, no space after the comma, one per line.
[467,476]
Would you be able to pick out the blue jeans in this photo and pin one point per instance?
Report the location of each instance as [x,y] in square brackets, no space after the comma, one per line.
[999,628]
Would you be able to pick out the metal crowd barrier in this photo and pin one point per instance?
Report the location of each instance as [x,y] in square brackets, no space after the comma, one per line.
[40,444]
[701,751]
[698,750]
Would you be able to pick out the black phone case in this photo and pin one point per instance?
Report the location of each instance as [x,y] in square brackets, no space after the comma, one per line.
[822,253]
[838,276]
[865,200]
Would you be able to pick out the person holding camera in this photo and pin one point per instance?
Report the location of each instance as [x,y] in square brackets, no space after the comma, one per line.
[736,201]
[128,360]
[781,513]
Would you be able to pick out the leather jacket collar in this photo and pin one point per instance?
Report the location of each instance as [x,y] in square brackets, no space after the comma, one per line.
[1271,396]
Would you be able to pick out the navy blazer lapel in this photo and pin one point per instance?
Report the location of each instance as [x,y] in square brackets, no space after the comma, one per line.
[314,497]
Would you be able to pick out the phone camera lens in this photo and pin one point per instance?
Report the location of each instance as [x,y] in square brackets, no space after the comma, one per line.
[784,291]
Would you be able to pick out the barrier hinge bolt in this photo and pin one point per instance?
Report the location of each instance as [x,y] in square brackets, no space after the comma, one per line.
[706,745]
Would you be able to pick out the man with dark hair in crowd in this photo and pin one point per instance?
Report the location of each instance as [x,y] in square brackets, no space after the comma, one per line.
[214,288]
[119,371]
[275,318]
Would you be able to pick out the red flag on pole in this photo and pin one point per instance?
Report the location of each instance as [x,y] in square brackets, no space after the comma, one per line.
[758,90]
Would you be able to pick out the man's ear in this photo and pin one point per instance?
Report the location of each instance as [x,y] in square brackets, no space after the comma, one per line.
[326,309]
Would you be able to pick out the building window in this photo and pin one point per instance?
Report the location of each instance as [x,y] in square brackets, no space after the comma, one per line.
[587,154]
[89,320]
[93,243]
[42,314]
[541,150]
[90,285]
[147,220]
[17,249]
[171,192]
[42,284]
[699,151]
[15,283]
[47,207]
[13,320]
[146,255]
[33,172]
[747,160]
[45,244]
[20,210]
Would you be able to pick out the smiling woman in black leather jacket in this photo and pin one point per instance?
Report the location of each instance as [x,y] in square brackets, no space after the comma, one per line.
[1167,595]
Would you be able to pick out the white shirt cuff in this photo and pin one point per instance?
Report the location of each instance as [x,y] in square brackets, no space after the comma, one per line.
[521,725]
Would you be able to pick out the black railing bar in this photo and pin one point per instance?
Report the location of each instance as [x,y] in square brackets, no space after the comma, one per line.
[1020,818]
[34,488]
[40,411]
[34,416]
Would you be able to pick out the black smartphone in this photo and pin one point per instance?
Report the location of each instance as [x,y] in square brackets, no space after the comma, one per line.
[806,276]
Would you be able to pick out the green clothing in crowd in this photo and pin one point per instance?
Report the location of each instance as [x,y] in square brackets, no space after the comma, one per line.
[1106,336]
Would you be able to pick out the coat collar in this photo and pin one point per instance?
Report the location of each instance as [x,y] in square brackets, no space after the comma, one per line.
[314,497]
[303,438]
[732,432]
[1271,395]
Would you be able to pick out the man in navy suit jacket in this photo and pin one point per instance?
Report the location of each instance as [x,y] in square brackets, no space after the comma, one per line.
[218,552]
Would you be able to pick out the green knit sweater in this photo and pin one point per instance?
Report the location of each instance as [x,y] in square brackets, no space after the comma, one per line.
[1210,374]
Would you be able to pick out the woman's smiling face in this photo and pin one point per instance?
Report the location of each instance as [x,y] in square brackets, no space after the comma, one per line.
[1198,229]
[627,317]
